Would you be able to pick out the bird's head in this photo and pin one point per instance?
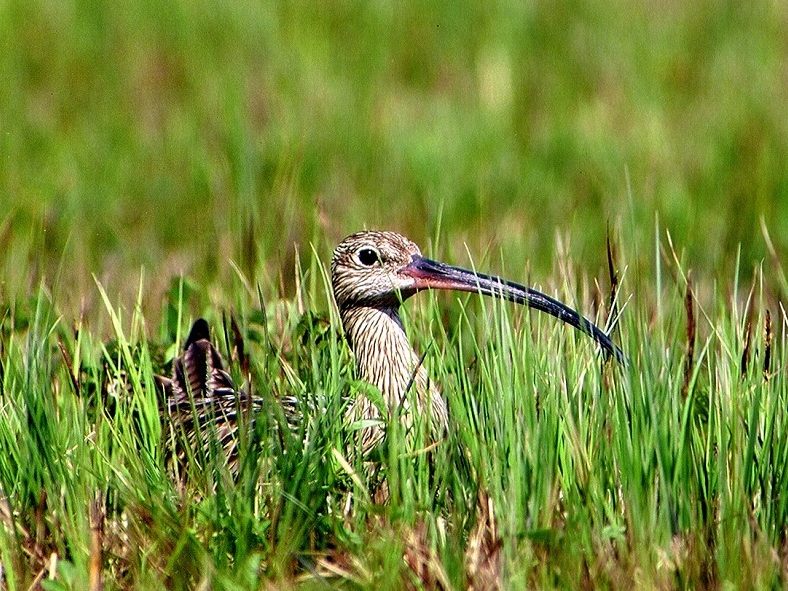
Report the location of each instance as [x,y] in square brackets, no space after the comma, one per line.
[367,269]
[382,269]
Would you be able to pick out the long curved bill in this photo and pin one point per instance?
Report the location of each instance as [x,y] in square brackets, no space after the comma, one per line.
[429,274]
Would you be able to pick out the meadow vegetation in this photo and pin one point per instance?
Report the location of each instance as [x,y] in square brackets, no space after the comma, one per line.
[165,161]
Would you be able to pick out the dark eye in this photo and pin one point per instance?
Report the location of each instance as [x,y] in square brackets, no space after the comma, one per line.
[368,257]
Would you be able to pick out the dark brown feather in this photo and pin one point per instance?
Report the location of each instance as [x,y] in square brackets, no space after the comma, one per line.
[203,403]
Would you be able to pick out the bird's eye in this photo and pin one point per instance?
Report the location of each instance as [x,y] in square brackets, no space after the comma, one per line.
[368,257]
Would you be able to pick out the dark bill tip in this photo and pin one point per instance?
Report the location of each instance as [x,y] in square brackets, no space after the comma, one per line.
[429,274]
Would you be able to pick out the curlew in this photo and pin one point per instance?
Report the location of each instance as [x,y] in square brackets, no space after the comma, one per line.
[372,274]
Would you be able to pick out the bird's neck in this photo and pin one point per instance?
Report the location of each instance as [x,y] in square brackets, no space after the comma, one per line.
[385,359]
[384,356]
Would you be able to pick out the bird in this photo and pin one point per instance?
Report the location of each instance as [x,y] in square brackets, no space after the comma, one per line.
[372,274]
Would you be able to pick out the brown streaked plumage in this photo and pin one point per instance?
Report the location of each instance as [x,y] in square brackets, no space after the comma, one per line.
[372,273]
[203,403]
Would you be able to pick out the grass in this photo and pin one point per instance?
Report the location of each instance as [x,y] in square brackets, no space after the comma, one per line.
[670,472]
[162,162]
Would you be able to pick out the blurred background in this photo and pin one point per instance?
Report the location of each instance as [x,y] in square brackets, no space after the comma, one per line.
[185,137]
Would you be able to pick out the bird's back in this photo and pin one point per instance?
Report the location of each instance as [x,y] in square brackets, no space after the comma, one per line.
[203,405]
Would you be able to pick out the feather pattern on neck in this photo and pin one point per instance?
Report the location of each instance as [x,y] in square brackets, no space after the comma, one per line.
[385,359]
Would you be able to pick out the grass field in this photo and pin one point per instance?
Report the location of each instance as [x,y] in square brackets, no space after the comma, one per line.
[165,161]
